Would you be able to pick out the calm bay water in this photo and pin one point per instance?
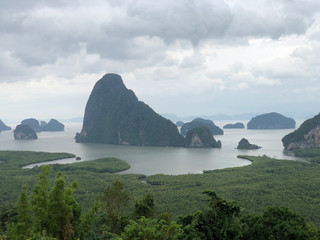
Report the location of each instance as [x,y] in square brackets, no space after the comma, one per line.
[153,160]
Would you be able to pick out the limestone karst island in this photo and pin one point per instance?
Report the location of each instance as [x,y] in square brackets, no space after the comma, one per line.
[114,115]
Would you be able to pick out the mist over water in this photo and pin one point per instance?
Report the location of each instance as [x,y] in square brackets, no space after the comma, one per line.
[153,160]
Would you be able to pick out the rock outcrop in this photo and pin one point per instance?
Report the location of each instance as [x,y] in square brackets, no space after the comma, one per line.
[271,121]
[4,127]
[235,125]
[33,123]
[245,144]
[53,126]
[199,122]
[24,132]
[201,137]
[306,136]
[114,115]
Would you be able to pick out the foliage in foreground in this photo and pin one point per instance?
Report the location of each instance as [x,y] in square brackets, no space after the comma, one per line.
[55,214]
[266,182]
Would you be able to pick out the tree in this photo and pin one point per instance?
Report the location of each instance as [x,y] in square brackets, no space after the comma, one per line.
[145,206]
[40,199]
[220,221]
[63,210]
[276,223]
[112,201]
[24,217]
[55,213]
[22,228]
[151,229]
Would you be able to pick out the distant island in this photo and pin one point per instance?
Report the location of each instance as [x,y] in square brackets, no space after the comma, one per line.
[201,137]
[306,136]
[4,127]
[24,132]
[114,115]
[53,125]
[235,125]
[199,122]
[271,121]
[33,123]
[245,144]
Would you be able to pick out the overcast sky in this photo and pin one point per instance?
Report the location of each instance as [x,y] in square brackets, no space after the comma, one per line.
[188,57]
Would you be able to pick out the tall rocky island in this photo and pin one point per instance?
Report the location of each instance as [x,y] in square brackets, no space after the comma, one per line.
[306,136]
[114,115]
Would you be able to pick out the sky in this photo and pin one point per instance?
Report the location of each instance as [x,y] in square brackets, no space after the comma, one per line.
[187,57]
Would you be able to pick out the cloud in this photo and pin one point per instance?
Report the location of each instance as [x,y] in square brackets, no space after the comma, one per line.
[40,32]
[204,50]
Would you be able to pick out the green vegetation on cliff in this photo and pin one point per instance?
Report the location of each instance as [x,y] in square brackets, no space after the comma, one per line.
[114,115]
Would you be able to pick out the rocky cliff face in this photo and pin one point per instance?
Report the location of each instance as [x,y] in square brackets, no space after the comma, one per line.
[271,121]
[24,132]
[306,136]
[311,140]
[201,137]
[114,115]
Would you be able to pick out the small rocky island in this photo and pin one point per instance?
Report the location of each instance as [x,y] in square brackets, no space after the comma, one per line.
[199,122]
[245,144]
[4,127]
[52,126]
[237,125]
[271,121]
[24,132]
[201,137]
[33,123]
[42,126]
[306,136]
[114,115]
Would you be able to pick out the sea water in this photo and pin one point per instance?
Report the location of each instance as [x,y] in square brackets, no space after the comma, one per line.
[153,160]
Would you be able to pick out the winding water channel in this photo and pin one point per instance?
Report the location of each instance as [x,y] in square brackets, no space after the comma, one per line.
[153,160]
